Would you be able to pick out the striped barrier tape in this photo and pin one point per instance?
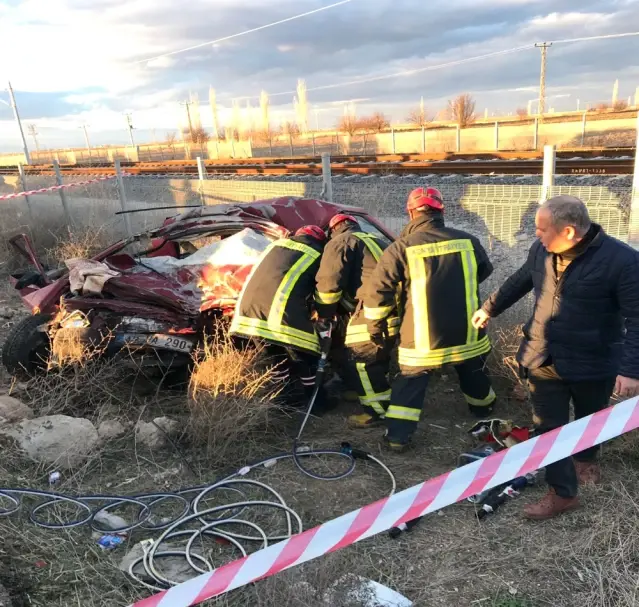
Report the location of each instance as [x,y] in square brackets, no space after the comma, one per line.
[53,188]
[411,503]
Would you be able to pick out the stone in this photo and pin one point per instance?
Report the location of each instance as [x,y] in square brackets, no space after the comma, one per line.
[12,410]
[176,569]
[109,522]
[58,440]
[6,313]
[5,600]
[154,434]
[111,429]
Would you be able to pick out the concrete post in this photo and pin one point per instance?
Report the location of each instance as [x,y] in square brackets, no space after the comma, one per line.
[583,129]
[327,187]
[313,140]
[201,171]
[393,140]
[423,140]
[63,196]
[633,232]
[23,185]
[232,146]
[123,201]
[458,139]
[496,136]
[536,134]
[548,179]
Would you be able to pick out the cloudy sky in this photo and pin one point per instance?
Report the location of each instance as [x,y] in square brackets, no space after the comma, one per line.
[74,62]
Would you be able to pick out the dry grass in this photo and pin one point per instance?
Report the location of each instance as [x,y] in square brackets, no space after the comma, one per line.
[231,396]
[76,243]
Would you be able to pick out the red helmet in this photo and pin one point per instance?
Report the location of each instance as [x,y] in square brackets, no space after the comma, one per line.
[425,197]
[337,219]
[314,231]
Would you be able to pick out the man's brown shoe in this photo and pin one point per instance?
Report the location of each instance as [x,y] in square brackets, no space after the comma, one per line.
[550,505]
[588,473]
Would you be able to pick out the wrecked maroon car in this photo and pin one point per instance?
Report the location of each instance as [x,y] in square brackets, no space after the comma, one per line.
[154,295]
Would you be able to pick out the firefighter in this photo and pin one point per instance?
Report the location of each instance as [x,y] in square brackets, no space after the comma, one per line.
[347,264]
[274,306]
[437,271]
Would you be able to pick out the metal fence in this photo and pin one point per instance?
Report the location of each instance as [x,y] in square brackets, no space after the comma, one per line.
[501,216]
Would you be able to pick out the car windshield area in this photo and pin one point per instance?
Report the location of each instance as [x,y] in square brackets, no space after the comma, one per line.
[371,228]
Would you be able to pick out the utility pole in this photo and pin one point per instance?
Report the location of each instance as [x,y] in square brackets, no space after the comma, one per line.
[86,138]
[130,126]
[188,115]
[542,77]
[34,133]
[17,117]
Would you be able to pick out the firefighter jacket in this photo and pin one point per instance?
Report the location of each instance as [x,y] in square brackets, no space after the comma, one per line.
[347,264]
[275,301]
[438,271]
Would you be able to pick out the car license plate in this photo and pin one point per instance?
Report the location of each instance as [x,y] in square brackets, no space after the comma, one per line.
[177,343]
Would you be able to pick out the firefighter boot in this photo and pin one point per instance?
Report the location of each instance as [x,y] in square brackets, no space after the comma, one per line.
[364,420]
[394,445]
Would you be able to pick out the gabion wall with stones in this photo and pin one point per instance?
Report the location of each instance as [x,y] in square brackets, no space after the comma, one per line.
[499,210]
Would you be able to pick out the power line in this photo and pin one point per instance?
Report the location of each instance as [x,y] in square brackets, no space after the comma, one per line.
[603,37]
[250,31]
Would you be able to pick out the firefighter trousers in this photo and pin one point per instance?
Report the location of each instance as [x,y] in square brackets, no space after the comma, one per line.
[290,365]
[367,367]
[409,391]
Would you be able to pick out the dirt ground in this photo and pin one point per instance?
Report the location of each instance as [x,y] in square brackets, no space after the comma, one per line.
[585,559]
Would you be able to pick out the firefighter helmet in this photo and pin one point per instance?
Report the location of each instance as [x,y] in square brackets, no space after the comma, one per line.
[337,219]
[314,231]
[425,197]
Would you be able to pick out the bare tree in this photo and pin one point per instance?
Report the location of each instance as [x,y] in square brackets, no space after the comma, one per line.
[265,136]
[522,112]
[199,135]
[462,110]
[170,143]
[292,131]
[349,124]
[377,123]
[620,104]
[419,117]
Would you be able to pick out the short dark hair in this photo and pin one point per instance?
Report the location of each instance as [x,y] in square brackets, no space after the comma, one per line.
[568,211]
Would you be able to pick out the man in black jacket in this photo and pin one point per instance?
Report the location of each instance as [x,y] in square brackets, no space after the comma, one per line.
[574,346]
[436,271]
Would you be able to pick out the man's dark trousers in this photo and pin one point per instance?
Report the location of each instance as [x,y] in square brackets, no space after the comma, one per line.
[551,396]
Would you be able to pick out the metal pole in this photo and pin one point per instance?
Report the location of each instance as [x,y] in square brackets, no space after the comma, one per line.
[130,125]
[583,129]
[536,134]
[542,76]
[423,139]
[458,139]
[123,201]
[327,188]
[86,138]
[548,179]
[201,171]
[313,140]
[23,185]
[393,139]
[63,196]
[497,136]
[16,115]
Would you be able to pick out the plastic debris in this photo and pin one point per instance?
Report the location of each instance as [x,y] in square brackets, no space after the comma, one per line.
[110,542]
[54,478]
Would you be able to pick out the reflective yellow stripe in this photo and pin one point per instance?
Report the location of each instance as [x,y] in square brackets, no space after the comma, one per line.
[377,313]
[252,331]
[327,298]
[263,324]
[371,398]
[481,402]
[410,357]
[286,287]
[435,249]
[419,296]
[358,333]
[297,246]
[371,243]
[469,264]
[405,413]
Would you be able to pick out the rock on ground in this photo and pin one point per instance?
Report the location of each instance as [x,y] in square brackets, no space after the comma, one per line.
[154,434]
[5,601]
[12,410]
[176,569]
[111,429]
[58,440]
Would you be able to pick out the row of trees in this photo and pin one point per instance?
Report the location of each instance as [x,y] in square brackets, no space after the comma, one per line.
[460,110]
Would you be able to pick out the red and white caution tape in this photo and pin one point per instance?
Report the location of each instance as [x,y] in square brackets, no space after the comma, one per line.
[419,500]
[56,187]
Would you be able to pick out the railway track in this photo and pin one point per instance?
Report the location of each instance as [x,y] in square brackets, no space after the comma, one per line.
[612,161]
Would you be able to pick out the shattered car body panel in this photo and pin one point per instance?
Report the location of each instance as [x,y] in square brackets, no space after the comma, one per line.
[157,284]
